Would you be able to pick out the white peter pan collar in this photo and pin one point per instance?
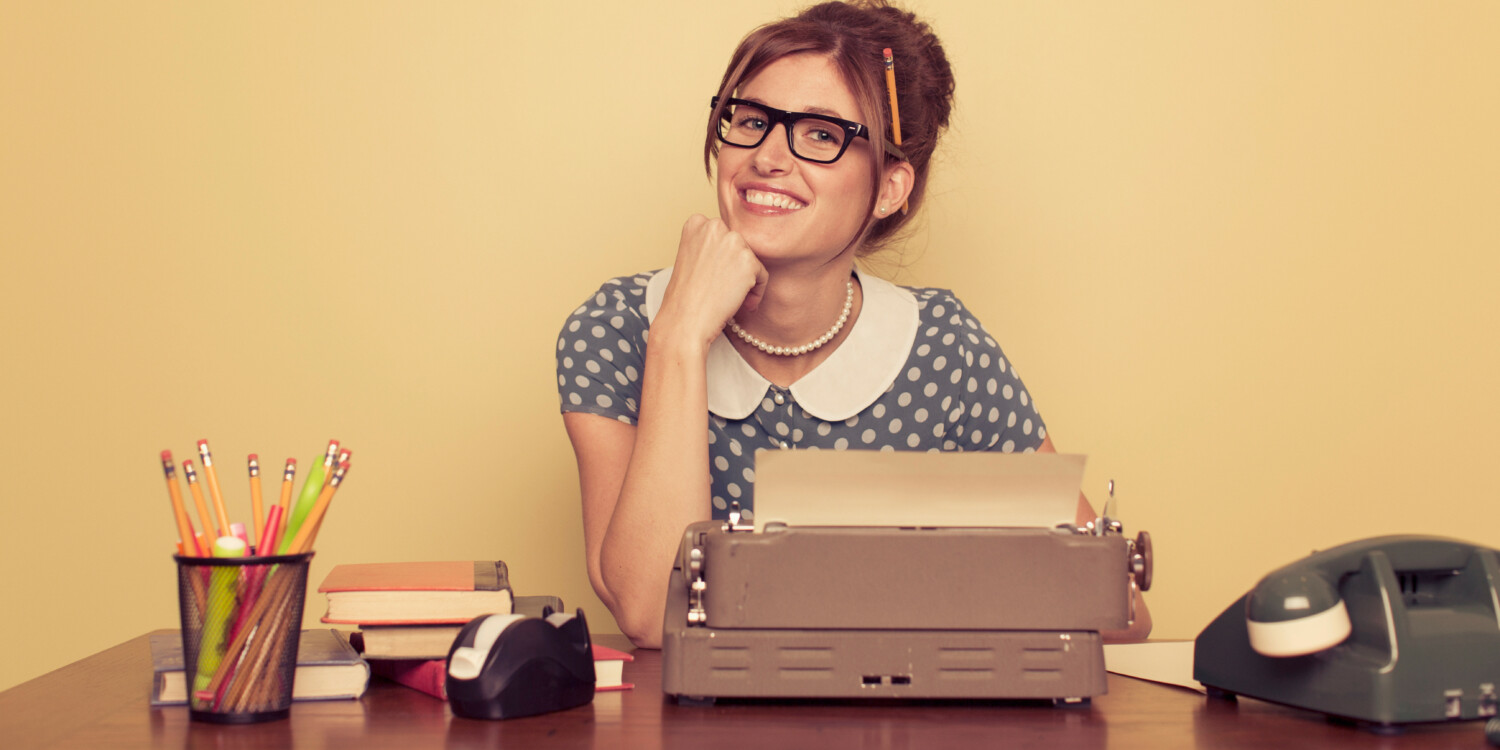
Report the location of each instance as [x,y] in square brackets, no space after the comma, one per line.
[852,378]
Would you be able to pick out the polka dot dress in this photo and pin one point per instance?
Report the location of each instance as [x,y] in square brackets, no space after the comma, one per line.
[955,392]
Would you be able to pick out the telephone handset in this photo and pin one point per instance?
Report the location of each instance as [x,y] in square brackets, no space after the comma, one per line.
[1297,609]
[1386,630]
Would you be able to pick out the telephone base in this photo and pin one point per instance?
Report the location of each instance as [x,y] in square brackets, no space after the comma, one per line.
[1424,645]
[1384,730]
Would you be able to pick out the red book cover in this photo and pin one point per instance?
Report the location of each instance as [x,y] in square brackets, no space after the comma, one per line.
[430,675]
[426,675]
[411,593]
[609,668]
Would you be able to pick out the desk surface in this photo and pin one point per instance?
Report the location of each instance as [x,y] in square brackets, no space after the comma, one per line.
[101,701]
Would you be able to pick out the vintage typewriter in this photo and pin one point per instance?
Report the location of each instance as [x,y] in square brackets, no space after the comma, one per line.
[901,575]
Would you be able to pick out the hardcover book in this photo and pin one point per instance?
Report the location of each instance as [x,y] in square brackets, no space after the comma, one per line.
[609,668]
[434,641]
[413,593]
[328,668]
[430,675]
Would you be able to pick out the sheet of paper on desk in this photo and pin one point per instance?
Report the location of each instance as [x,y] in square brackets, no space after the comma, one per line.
[1168,662]
[904,488]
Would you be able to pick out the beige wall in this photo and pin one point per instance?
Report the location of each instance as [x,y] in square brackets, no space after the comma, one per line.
[1245,255]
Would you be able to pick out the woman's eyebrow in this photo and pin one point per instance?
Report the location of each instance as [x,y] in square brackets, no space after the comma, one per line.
[808,110]
[823,111]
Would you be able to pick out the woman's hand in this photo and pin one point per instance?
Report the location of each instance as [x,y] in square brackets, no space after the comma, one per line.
[716,276]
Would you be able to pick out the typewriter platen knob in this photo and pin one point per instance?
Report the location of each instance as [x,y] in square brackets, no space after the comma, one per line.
[1141,561]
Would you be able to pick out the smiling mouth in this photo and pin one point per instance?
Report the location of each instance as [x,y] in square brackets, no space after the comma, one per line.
[773,200]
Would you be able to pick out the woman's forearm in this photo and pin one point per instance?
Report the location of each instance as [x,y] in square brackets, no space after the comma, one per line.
[666,485]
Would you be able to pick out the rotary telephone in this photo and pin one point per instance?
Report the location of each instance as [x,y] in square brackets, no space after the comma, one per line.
[1383,631]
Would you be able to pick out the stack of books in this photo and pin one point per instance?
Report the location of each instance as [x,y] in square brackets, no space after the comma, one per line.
[409,614]
[414,610]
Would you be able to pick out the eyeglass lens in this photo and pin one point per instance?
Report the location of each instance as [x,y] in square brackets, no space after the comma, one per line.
[811,137]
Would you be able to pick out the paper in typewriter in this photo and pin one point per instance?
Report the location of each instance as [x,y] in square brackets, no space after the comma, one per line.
[911,489]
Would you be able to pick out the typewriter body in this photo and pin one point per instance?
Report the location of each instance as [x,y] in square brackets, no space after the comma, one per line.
[777,610]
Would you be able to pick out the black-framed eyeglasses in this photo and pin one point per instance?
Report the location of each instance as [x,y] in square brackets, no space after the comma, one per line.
[816,138]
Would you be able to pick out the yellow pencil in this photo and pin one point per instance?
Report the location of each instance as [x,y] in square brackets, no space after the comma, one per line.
[890,85]
[208,521]
[256,511]
[220,511]
[188,540]
[287,475]
[309,529]
[330,460]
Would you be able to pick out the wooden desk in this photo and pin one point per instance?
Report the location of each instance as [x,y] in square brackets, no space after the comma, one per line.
[101,702]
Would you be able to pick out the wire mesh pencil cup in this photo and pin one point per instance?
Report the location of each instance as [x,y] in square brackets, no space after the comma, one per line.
[241,623]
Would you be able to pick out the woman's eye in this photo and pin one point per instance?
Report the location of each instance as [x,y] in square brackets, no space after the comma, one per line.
[750,123]
[821,135]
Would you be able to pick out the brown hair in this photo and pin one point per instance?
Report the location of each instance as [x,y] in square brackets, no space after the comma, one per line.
[852,35]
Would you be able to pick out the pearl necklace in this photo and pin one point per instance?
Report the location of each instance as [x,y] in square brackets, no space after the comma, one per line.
[795,351]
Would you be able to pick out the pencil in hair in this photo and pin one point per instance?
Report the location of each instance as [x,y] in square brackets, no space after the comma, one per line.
[890,86]
[256,511]
[185,534]
[208,522]
[220,511]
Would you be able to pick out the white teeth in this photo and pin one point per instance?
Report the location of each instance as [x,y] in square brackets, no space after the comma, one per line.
[775,200]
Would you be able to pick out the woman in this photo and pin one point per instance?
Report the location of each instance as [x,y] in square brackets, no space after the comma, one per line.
[764,322]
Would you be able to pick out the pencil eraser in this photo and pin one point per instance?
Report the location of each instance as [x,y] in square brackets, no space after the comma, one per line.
[292,461]
[166,455]
[254,457]
[887,51]
[186,462]
[202,443]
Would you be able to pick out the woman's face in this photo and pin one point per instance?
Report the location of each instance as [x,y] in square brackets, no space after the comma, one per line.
[790,210]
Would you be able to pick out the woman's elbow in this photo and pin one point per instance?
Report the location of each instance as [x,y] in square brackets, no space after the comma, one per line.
[642,632]
[641,624]
[638,620]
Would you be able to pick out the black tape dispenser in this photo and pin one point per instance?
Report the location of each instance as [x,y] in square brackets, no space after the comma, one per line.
[506,666]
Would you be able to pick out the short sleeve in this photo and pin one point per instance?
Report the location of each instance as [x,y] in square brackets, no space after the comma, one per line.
[998,412]
[601,352]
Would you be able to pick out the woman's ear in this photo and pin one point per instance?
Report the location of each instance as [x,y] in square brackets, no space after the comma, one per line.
[895,185]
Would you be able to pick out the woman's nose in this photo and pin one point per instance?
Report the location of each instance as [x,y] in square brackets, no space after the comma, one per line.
[774,154]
